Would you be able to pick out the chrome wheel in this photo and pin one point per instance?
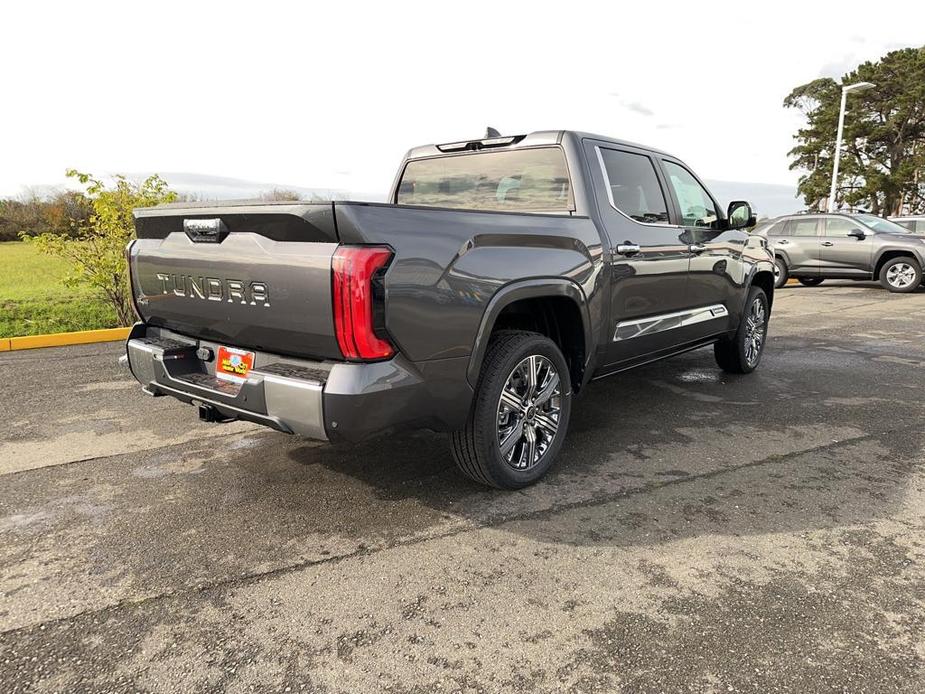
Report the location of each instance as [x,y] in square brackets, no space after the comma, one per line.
[776,272]
[900,275]
[528,412]
[755,330]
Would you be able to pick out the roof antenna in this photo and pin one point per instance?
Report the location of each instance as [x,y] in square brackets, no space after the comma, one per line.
[491,132]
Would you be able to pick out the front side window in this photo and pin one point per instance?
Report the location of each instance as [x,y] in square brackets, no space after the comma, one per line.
[633,186]
[697,207]
[533,180]
[839,226]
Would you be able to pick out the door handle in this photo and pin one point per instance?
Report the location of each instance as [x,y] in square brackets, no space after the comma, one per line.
[827,243]
[628,248]
[783,242]
[696,248]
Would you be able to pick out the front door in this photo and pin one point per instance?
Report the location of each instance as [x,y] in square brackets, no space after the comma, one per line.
[716,269]
[649,255]
[843,255]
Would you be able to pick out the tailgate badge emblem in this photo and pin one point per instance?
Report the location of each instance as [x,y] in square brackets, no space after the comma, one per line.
[205,230]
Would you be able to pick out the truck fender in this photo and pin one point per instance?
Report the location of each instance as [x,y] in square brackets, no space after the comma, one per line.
[526,289]
[760,266]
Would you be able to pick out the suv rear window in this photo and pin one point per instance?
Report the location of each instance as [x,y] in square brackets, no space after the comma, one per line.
[533,180]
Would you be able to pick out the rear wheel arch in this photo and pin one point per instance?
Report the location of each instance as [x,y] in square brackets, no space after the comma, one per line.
[556,308]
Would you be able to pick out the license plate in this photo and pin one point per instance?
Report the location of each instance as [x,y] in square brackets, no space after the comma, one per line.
[233,364]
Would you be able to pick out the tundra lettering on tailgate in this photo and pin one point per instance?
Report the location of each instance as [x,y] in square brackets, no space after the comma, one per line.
[215,289]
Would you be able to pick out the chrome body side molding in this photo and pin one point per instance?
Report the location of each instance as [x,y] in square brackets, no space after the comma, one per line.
[626,330]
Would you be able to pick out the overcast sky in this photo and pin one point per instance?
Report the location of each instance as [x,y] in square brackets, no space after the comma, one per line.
[330,95]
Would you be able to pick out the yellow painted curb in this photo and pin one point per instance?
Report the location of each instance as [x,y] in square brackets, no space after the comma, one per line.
[82,337]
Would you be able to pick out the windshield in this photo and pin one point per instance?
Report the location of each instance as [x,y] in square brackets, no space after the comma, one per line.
[518,180]
[880,224]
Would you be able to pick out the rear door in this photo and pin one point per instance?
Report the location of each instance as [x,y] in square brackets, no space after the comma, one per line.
[844,255]
[649,253]
[799,244]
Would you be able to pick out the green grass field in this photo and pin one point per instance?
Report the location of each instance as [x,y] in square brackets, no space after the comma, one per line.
[34,299]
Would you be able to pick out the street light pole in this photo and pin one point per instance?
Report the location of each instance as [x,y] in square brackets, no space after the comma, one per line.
[857,86]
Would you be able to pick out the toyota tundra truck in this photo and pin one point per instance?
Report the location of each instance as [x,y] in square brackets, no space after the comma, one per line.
[502,276]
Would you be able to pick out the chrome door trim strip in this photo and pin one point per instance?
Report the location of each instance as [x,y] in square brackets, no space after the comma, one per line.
[639,327]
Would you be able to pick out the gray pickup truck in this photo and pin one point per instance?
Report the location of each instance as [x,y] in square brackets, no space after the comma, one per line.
[503,275]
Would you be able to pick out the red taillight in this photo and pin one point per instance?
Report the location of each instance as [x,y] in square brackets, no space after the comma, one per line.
[355,269]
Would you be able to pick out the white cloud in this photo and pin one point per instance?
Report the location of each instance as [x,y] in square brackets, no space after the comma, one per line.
[331,95]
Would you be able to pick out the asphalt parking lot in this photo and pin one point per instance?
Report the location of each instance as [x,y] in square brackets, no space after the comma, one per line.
[701,532]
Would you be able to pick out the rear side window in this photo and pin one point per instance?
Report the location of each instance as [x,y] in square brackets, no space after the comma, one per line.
[526,180]
[776,229]
[801,227]
[633,186]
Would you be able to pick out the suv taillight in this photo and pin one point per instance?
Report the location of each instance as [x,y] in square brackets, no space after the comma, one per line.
[358,301]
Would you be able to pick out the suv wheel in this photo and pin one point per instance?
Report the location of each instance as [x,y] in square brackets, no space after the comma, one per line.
[520,413]
[810,281]
[781,274]
[902,274]
[741,353]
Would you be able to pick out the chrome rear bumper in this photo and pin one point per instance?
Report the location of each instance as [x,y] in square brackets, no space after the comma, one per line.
[279,392]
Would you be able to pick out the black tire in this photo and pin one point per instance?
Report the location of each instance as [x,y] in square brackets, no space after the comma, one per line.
[733,354]
[901,275]
[477,447]
[810,281]
[781,273]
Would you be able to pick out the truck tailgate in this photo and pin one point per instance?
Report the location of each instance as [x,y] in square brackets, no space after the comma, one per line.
[244,288]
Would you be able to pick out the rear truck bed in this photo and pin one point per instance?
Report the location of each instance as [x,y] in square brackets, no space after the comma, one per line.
[354,319]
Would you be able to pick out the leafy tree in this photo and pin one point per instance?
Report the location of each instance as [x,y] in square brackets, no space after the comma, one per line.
[30,214]
[97,247]
[883,156]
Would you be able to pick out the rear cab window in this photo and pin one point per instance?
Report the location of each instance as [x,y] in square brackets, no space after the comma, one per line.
[527,180]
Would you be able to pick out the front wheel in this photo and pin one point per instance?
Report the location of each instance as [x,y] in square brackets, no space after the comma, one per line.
[520,413]
[781,274]
[741,353]
[901,275]
[810,281]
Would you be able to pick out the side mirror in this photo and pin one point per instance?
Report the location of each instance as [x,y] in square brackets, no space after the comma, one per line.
[858,234]
[740,215]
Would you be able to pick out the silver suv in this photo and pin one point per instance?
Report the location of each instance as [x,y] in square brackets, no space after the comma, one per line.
[815,247]
[914,223]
